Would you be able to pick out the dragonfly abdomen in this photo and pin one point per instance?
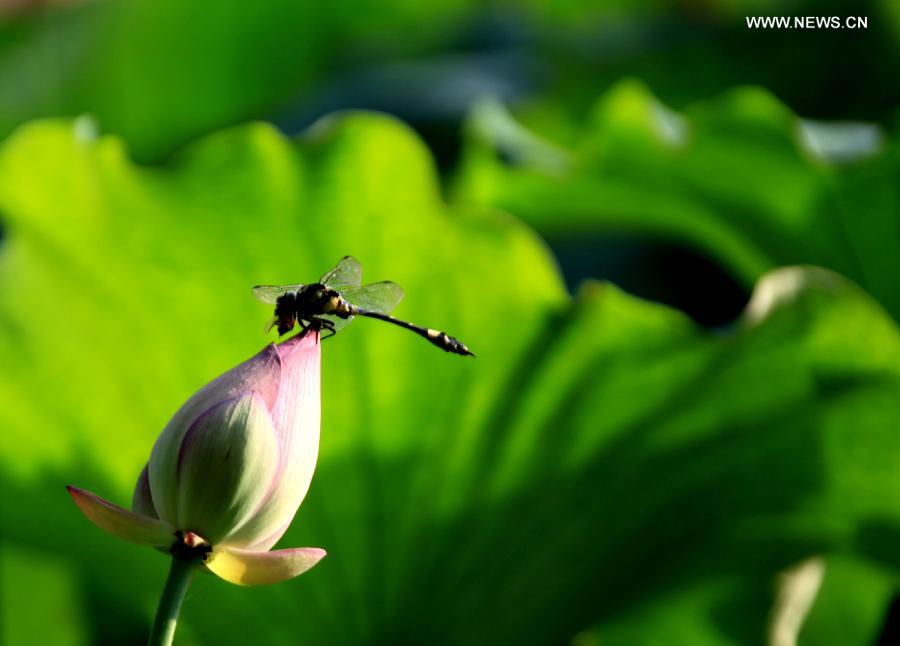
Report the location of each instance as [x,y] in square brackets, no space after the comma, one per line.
[441,339]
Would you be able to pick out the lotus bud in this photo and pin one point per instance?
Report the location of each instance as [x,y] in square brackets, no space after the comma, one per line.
[230,469]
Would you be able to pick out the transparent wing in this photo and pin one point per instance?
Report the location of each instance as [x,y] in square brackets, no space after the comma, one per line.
[380,297]
[347,274]
[270,293]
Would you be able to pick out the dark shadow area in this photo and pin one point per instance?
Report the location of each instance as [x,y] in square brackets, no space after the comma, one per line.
[890,632]
[878,540]
[655,270]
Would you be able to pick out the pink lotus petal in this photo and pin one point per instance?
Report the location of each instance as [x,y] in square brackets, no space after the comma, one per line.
[246,567]
[121,522]
[296,417]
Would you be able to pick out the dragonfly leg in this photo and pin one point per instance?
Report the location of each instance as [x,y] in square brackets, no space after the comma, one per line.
[317,323]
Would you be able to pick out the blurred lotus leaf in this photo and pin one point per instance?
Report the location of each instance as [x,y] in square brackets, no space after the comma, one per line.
[599,459]
[739,178]
[161,72]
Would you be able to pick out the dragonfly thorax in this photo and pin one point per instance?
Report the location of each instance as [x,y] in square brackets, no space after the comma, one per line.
[317,299]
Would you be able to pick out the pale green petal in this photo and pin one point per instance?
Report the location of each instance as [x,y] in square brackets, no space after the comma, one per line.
[121,522]
[246,567]
[226,465]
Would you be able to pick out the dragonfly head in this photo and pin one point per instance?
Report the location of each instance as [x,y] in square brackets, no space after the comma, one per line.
[286,324]
[286,312]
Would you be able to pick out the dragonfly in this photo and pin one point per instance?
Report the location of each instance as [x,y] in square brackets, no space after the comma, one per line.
[337,299]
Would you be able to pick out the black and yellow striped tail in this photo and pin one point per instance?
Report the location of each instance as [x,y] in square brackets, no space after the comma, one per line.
[441,339]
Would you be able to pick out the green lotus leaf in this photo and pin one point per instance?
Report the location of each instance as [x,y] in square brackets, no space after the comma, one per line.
[601,455]
[739,178]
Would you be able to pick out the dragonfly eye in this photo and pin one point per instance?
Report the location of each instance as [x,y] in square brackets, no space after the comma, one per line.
[282,305]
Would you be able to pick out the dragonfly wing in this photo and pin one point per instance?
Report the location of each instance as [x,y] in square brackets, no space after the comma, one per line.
[380,297]
[270,293]
[347,274]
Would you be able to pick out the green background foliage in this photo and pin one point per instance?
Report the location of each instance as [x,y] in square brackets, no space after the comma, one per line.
[738,176]
[595,456]
[608,470]
[161,72]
